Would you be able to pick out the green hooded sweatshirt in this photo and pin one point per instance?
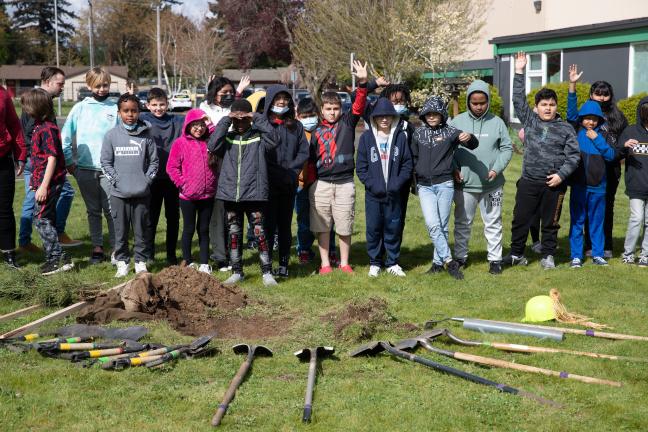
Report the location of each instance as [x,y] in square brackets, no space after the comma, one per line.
[494,151]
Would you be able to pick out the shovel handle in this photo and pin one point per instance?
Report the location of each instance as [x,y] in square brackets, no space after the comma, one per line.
[308,400]
[231,391]
[536,349]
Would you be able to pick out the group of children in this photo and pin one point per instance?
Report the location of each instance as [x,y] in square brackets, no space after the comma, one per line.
[225,161]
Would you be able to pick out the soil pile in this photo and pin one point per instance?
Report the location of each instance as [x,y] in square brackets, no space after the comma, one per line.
[194,303]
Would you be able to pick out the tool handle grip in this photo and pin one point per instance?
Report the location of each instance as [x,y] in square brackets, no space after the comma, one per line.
[231,392]
[308,409]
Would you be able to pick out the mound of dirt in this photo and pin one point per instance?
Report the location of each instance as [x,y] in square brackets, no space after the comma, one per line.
[360,319]
[194,303]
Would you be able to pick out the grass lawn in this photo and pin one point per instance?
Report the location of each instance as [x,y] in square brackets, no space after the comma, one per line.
[363,394]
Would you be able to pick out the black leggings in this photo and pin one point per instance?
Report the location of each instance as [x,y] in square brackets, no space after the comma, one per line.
[191,209]
[7,190]
[278,219]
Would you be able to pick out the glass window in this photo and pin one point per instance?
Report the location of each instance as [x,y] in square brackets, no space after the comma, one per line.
[640,68]
[535,83]
[553,67]
[535,62]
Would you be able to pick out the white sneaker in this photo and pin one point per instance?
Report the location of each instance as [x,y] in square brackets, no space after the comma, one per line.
[113,260]
[269,280]
[140,267]
[373,271]
[234,279]
[225,269]
[396,270]
[193,266]
[122,269]
[205,268]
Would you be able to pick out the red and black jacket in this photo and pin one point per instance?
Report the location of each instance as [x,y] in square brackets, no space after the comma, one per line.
[332,146]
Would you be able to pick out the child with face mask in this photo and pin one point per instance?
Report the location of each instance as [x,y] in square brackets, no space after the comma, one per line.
[284,164]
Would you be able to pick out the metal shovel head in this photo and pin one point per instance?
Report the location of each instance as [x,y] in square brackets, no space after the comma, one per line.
[433,333]
[322,351]
[407,344]
[372,348]
[201,342]
[257,350]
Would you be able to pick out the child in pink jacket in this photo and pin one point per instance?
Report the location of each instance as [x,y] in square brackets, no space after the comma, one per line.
[195,175]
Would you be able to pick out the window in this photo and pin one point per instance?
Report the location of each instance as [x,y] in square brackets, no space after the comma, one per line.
[638,79]
[554,69]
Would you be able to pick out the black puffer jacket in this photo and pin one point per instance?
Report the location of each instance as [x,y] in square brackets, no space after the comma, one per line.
[287,159]
[244,173]
[636,159]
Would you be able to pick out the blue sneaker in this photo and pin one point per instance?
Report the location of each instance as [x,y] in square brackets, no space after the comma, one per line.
[599,261]
[576,263]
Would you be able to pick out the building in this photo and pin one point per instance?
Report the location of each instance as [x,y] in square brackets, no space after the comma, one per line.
[18,78]
[608,40]
[263,78]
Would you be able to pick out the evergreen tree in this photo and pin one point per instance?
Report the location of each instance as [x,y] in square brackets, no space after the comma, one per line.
[38,16]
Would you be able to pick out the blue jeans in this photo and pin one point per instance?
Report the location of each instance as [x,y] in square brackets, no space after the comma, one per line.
[436,203]
[305,237]
[63,206]
[586,205]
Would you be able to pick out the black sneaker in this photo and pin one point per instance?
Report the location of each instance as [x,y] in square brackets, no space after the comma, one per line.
[55,265]
[495,268]
[513,260]
[281,271]
[463,262]
[454,270]
[252,245]
[436,268]
[10,259]
[97,258]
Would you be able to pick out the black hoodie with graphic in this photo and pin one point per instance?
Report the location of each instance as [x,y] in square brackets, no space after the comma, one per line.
[636,159]
[433,147]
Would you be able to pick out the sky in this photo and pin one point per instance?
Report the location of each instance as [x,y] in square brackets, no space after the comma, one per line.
[193,9]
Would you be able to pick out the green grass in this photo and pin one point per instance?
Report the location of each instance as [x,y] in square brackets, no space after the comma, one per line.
[351,394]
[66,107]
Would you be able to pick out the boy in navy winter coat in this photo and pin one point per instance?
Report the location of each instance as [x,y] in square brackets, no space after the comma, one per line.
[384,166]
[587,198]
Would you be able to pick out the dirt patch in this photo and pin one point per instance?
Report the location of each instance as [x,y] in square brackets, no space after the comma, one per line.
[361,319]
[193,303]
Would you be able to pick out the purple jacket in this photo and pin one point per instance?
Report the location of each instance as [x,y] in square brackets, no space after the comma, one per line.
[188,165]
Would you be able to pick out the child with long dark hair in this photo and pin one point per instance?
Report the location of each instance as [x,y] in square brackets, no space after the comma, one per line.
[615,123]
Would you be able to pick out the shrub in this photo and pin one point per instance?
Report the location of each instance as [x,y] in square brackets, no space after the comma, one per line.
[561,89]
[629,106]
[496,103]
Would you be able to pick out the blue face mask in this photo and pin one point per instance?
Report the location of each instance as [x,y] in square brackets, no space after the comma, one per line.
[401,109]
[279,110]
[128,127]
[310,123]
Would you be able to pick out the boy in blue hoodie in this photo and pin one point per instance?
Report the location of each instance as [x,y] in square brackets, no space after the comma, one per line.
[129,161]
[165,128]
[384,166]
[587,198]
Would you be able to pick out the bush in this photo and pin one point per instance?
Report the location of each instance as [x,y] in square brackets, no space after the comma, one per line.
[561,89]
[496,103]
[629,106]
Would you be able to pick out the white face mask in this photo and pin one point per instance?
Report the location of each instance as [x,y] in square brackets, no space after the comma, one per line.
[400,109]
[279,110]
[309,123]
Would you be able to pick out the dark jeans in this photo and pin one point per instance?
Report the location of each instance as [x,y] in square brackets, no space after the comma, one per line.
[254,212]
[383,230]
[532,198]
[7,191]
[279,217]
[164,191]
[127,213]
[218,233]
[608,224]
[192,210]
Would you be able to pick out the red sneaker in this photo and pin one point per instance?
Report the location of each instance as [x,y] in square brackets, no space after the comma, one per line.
[325,270]
[346,269]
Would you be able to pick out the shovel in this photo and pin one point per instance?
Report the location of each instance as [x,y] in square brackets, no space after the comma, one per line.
[423,341]
[251,350]
[174,354]
[312,354]
[374,348]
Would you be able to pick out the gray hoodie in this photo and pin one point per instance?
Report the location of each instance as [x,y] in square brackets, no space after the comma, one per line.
[129,160]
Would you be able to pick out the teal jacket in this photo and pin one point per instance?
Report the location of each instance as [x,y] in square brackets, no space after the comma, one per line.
[494,151]
[87,123]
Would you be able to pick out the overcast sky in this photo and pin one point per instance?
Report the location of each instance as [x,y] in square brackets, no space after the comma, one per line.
[194,9]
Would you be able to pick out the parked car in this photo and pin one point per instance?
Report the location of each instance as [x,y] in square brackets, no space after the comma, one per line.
[346,101]
[114,96]
[180,102]
[142,96]
[300,95]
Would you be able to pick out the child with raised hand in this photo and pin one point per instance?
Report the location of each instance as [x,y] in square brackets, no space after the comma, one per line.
[87,123]
[129,161]
[633,146]
[384,166]
[284,164]
[551,154]
[165,129]
[307,114]
[615,122]
[243,181]
[48,176]
[332,148]
[195,175]
[587,198]
[433,148]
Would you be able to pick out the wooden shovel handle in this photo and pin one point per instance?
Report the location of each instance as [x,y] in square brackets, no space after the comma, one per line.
[536,349]
[526,368]
[231,391]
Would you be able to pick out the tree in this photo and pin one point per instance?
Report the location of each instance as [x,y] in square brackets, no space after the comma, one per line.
[6,35]
[203,52]
[260,30]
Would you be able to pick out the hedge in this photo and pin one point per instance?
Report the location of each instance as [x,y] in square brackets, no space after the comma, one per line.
[561,89]
[629,106]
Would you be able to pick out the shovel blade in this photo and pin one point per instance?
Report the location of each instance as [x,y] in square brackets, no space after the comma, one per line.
[433,333]
[322,351]
[372,348]
[260,350]
[407,344]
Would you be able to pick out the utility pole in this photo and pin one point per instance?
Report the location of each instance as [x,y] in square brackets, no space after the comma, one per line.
[352,76]
[91,32]
[57,47]
[159,47]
